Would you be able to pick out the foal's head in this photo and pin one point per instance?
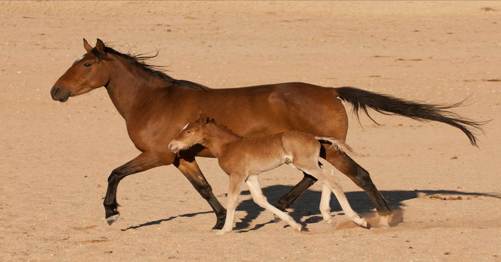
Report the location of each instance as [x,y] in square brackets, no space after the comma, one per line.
[193,133]
[88,73]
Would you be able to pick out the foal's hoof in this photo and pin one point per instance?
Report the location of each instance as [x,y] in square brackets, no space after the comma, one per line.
[298,227]
[221,232]
[112,219]
[361,222]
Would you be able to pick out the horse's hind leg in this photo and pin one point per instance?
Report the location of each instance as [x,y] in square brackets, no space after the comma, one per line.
[358,175]
[286,200]
[260,199]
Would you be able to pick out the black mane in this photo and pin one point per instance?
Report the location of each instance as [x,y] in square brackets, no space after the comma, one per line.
[139,60]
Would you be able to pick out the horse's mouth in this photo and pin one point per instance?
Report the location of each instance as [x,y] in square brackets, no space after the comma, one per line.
[59,94]
[63,98]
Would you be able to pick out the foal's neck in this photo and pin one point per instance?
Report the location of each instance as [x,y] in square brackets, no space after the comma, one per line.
[131,87]
[218,137]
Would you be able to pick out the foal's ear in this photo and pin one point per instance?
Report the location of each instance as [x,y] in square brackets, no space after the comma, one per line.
[87,46]
[100,47]
[202,117]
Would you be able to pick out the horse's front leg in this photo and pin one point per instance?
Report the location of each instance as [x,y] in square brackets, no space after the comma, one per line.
[141,163]
[189,167]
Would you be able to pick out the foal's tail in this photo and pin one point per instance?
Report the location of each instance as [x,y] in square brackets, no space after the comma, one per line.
[337,144]
[385,104]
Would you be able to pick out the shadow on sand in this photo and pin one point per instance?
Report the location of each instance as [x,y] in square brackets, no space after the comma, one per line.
[307,204]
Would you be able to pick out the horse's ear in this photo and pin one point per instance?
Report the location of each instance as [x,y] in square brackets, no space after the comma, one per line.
[100,47]
[87,46]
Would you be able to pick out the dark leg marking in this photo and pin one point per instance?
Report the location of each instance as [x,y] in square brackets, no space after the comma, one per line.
[189,167]
[140,163]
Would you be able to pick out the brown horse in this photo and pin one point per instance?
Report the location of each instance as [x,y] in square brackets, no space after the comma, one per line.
[156,106]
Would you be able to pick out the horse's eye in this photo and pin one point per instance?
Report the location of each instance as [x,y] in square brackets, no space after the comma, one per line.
[87,64]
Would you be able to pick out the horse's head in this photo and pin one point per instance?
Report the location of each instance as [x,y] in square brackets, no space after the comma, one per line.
[85,74]
[192,133]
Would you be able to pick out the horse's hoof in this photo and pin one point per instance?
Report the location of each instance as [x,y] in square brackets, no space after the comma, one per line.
[219,225]
[112,219]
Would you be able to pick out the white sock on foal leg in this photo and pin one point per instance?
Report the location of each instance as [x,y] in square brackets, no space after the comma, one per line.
[325,208]
[343,201]
[260,199]
[231,205]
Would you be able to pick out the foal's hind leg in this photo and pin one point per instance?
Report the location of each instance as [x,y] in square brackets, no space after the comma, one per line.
[260,199]
[330,182]
[358,175]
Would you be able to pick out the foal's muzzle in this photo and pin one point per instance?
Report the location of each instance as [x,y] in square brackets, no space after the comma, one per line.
[59,94]
[174,147]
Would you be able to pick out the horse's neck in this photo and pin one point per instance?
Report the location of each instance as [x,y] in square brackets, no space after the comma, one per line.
[131,88]
[218,138]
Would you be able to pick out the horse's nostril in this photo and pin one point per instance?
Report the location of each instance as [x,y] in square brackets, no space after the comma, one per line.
[53,92]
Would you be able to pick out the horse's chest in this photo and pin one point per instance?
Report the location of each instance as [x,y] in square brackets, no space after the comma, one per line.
[149,135]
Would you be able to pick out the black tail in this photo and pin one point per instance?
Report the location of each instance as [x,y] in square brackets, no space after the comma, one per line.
[388,105]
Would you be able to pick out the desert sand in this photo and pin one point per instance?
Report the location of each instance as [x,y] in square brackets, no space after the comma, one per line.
[56,157]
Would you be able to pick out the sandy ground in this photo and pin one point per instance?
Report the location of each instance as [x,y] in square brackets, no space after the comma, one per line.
[56,157]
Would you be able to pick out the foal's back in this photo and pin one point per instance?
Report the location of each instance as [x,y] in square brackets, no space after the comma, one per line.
[254,155]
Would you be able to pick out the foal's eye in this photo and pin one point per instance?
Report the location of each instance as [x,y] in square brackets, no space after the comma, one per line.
[87,64]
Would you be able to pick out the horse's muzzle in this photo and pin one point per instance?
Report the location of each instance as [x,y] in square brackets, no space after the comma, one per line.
[59,94]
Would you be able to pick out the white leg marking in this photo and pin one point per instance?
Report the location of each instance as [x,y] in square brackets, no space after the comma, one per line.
[260,199]
[343,201]
[325,208]
[231,205]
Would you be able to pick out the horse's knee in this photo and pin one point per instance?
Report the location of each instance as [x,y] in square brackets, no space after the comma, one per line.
[116,175]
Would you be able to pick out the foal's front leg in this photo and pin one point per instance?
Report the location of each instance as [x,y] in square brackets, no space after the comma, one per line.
[141,163]
[325,201]
[234,189]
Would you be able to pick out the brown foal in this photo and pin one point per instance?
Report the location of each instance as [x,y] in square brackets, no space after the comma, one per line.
[155,107]
[243,159]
